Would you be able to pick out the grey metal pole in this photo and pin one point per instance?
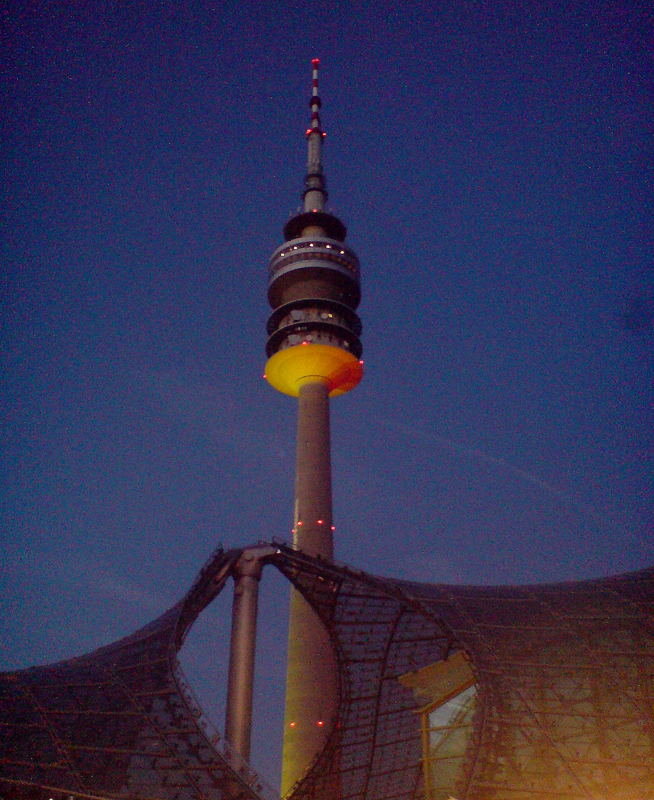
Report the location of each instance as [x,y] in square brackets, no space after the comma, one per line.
[240,683]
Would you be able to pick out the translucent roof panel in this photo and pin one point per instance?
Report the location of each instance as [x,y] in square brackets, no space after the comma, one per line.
[448,728]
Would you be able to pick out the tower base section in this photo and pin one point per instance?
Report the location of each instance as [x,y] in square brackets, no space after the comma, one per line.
[311,693]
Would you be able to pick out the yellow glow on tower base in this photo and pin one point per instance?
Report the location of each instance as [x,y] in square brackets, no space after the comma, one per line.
[290,368]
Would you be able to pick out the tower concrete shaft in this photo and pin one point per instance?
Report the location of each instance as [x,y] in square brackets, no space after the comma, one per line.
[312,531]
[311,691]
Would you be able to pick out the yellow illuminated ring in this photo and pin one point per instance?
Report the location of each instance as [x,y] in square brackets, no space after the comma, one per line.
[292,367]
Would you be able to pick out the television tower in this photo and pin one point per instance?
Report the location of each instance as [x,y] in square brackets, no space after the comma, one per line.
[313,354]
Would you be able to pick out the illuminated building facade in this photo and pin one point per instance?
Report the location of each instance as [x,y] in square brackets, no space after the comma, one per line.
[412,691]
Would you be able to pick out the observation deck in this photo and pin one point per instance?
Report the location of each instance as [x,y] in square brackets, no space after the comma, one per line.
[307,258]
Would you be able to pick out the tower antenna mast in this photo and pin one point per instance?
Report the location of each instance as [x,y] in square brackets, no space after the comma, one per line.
[315,193]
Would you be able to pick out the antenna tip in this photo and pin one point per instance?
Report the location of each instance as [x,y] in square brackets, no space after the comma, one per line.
[315,62]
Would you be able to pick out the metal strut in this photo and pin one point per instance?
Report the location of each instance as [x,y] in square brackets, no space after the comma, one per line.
[240,682]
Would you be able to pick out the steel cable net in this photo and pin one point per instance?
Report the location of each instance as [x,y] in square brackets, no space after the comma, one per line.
[120,722]
[563,677]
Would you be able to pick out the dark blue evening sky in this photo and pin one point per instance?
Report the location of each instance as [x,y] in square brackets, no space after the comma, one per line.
[492,162]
